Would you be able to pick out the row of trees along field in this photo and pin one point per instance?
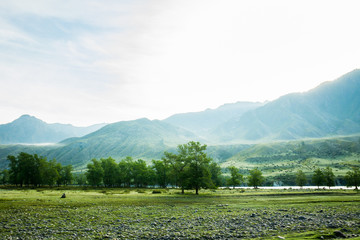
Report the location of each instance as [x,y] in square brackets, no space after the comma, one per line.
[27,169]
[189,168]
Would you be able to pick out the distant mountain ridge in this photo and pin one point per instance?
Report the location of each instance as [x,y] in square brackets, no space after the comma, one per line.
[329,110]
[202,122]
[29,129]
[139,138]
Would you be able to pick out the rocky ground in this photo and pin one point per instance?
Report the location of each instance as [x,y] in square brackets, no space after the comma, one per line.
[217,221]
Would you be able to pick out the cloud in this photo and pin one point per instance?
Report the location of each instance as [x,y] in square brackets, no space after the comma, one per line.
[93,61]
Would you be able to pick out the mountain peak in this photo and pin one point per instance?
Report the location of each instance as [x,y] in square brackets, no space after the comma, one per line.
[332,108]
[27,119]
[29,129]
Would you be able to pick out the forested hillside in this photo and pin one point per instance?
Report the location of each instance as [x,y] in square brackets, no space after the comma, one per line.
[236,133]
[286,157]
[140,138]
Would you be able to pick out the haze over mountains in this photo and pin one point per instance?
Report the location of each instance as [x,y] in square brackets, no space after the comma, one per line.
[331,109]
[29,129]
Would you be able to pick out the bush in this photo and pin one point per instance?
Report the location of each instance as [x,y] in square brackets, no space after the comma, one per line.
[156,191]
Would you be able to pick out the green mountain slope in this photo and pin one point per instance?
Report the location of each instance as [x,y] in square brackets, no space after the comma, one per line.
[15,149]
[340,153]
[331,109]
[28,129]
[140,138]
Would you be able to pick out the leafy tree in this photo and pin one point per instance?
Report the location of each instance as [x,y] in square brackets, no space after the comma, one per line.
[80,178]
[235,177]
[300,178]
[179,166]
[28,171]
[14,172]
[190,166]
[110,171]
[25,169]
[255,179]
[4,176]
[216,176]
[50,172]
[151,176]
[318,177]
[162,170]
[199,164]
[329,177]
[126,172]
[353,178]
[66,175]
[94,173]
[141,173]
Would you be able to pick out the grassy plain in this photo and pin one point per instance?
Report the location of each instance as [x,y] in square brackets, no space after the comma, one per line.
[142,214]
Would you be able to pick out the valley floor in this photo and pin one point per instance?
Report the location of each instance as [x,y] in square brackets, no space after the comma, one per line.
[141,214]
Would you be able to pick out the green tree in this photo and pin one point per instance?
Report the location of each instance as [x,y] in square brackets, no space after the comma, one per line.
[66,175]
[190,166]
[151,176]
[216,176]
[94,173]
[318,177]
[255,179]
[199,166]
[4,177]
[126,172]
[28,169]
[14,172]
[110,171]
[300,178]
[50,172]
[80,178]
[162,170]
[25,169]
[353,178]
[141,173]
[235,177]
[178,167]
[329,177]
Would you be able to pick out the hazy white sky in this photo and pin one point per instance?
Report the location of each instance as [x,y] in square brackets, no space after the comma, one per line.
[89,61]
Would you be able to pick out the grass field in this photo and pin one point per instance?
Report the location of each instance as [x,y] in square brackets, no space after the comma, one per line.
[141,214]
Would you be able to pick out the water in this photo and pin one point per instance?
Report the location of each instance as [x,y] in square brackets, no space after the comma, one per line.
[297,187]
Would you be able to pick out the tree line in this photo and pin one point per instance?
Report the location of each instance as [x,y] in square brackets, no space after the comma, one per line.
[31,170]
[320,177]
[188,168]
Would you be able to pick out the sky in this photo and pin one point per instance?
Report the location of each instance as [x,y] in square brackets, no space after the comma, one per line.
[88,61]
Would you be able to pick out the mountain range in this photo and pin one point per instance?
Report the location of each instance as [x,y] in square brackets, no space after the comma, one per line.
[331,109]
[29,129]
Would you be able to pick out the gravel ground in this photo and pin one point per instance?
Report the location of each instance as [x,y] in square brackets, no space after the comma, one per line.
[173,222]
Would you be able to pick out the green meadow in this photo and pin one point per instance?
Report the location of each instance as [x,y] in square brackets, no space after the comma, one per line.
[167,214]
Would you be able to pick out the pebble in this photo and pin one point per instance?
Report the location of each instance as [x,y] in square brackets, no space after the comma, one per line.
[211,224]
